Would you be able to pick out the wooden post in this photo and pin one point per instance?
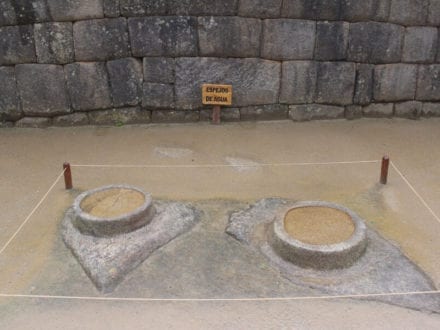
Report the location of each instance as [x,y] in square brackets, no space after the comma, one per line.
[384,170]
[216,110]
[67,176]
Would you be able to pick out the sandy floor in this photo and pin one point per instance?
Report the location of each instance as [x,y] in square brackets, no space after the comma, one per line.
[252,161]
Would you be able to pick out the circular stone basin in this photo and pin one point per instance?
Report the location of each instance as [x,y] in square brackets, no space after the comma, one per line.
[319,235]
[112,210]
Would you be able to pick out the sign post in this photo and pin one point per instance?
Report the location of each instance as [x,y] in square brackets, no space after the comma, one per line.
[216,95]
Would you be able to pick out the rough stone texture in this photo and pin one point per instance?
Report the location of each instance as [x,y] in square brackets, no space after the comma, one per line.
[373,42]
[111,8]
[42,89]
[74,10]
[378,110]
[125,81]
[229,36]
[365,10]
[54,43]
[88,86]
[33,122]
[409,12]
[203,7]
[353,112]
[264,112]
[335,83]
[159,70]
[226,114]
[308,112]
[101,39]
[431,109]
[259,8]
[23,12]
[285,39]
[9,102]
[410,109]
[74,119]
[298,82]
[254,81]
[163,36]
[395,82]
[17,44]
[144,7]
[158,96]
[363,93]
[331,41]
[6,124]
[434,12]
[119,117]
[107,260]
[312,9]
[175,116]
[428,84]
[420,44]
[7,13]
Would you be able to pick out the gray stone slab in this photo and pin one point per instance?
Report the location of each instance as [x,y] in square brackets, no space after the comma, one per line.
[144,7]
[120,116]
[420,45]
[17,45]
[159,69]
[331,41]
[254,81]
[54,42]
[229,36]
[395,82]
[74,10]
[7,13]
[335,83]
[111,8]
[306,112]
[312,9]
[203,7]
[260,8]
[88,86]
[298,82]
[363,93]
[428,83]
[373,42]
[365,10]
[175,116]
[126,81]
[410,109]
[431,109]
[23,12]
[434,13]
[264,112]
[163,36]
[9,102]
[33,122]
[158,96]
[287,39]
[409,12]
[42,89]
[74,119]
[353,112]
[101,39]
[378,110]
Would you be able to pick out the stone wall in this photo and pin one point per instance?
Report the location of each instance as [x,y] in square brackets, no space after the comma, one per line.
[76,62]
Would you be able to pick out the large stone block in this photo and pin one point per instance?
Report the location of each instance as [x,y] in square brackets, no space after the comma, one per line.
[286,39]
[101,39]
[365,10]
[363,92]
[17,44]
[372,42]
[159,96]
[395,82]
[428,84]
[434,12]
[431,109]
[119,117]
[23,12]
[33,122]
[229,36]
[9,105]
[75,10]
[264,112]
[88,86]
[163,36]
[54,42]
[203,7]
[409,12]
[7,13]
[420,44]
[312,9]
[260,8]
[378,110]
[298,82]
[42,89]
[308,112]
[126,81]
[111,8]
[409,109]
[331,41]
[254,81]
[144,7]
[74,119]
[335,83]
[159,70]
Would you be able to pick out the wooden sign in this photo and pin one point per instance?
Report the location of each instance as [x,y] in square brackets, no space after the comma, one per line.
[217,94]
